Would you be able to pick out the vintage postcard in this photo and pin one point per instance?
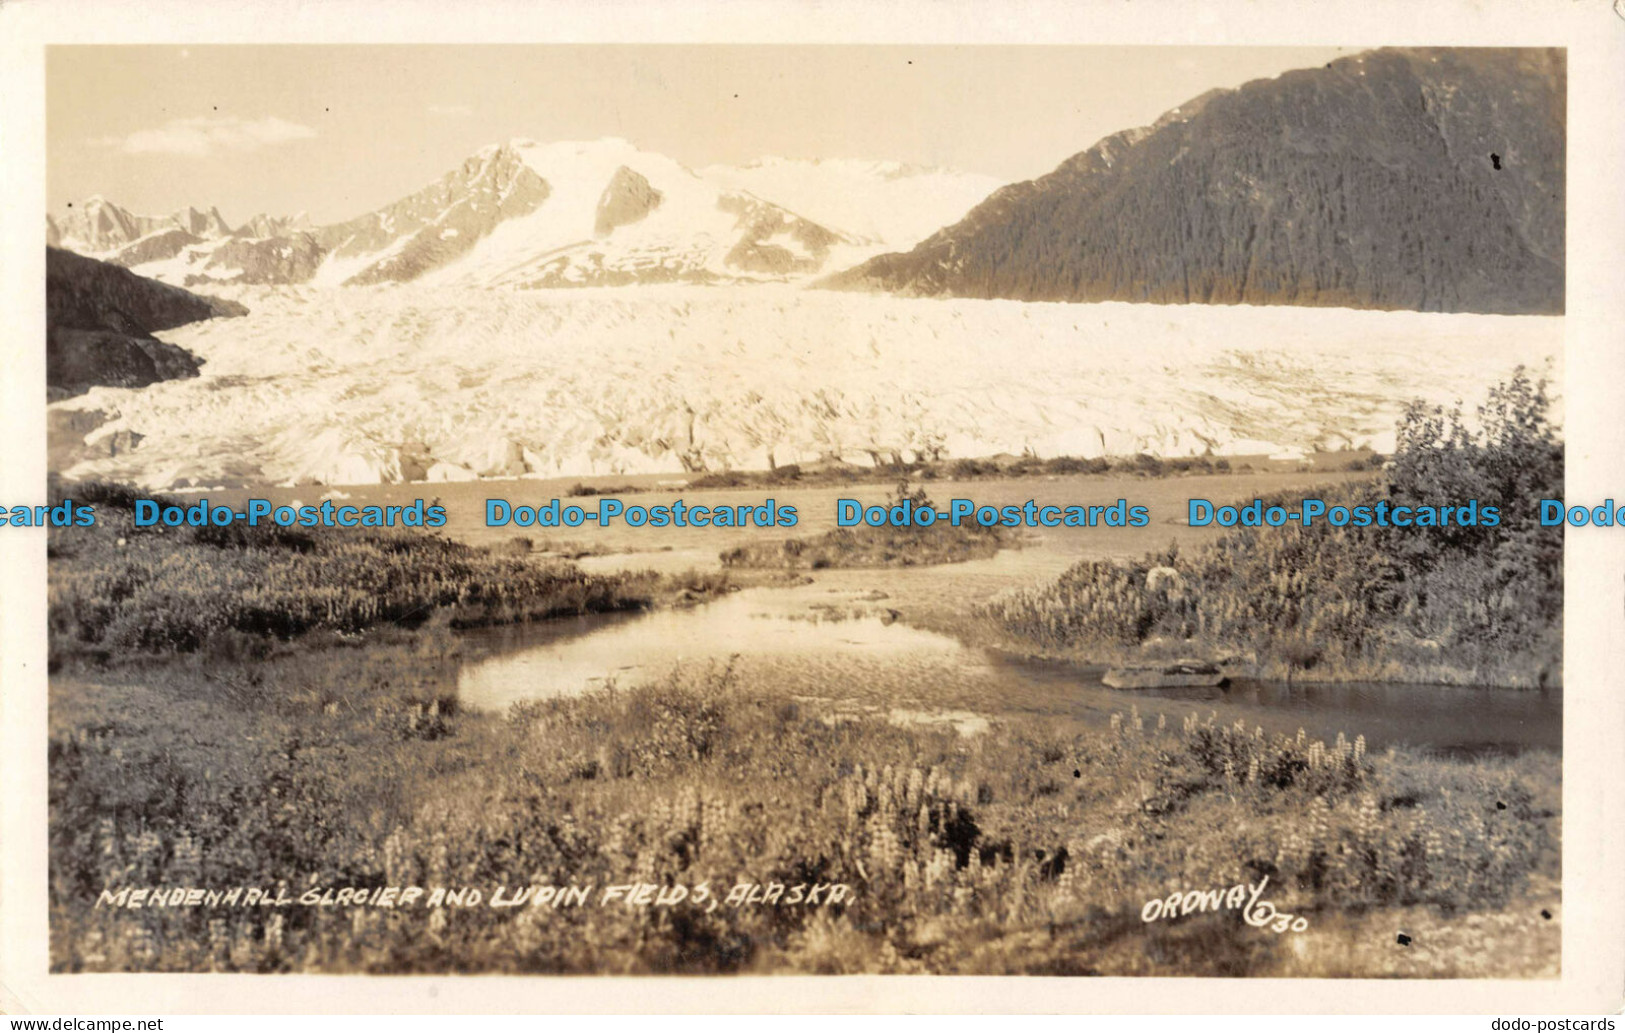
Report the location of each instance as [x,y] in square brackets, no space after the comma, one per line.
[513,500]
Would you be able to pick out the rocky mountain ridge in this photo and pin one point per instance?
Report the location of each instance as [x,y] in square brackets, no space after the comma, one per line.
[526,214]
[1422,179]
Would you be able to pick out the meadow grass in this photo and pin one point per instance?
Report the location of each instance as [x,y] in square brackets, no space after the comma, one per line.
[1028,848]
[117,591]
[868,546]
[279,710]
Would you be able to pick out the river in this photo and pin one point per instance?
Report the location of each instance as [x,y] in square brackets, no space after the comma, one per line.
[847,647]
[835,639]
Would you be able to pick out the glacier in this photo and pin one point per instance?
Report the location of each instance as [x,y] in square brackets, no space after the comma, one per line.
[391,383]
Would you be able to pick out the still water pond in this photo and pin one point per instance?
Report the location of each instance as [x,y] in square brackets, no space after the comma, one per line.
[847,647]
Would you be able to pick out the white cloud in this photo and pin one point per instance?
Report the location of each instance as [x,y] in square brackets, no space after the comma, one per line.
[201,137]
[450,109]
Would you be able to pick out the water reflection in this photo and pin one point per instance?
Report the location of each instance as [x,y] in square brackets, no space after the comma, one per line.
[1458,718]
[801,649]
[814,643]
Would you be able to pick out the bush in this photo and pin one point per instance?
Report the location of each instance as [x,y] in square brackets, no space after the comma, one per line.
[168,590]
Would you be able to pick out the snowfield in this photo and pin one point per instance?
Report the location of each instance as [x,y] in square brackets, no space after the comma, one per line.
[393,383]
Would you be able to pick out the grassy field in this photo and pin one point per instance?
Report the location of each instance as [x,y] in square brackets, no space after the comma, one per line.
[118,592]
[336,756]
[280,711]
[867,546]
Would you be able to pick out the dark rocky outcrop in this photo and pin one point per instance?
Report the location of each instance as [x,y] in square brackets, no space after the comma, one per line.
[100,322]
[1426,179]
[78,360]
[201,224]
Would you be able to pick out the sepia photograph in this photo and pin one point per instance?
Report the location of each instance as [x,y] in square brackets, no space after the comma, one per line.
[552,509]
[830,508]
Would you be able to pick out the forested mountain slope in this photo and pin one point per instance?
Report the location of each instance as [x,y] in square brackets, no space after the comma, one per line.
[1427,179]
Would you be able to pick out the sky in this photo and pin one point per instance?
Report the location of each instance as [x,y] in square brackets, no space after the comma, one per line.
[339,130]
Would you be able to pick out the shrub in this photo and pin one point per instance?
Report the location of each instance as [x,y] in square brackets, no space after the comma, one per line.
[1472,603]
[866,546]
[167,590]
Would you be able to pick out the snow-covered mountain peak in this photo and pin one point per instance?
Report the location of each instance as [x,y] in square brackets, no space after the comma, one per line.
[262,226]
[617,214]
[578,174]
[566,213]
[208,225]
[884,201]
